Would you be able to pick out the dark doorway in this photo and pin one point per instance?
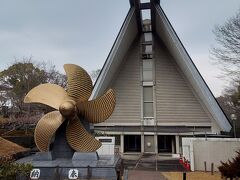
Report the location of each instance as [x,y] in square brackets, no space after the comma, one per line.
[165,143]
[132,143]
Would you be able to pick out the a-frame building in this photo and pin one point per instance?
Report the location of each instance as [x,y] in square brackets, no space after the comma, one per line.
[160,94]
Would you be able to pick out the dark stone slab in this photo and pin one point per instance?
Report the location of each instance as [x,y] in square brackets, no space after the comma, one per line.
[89,156]
[61,160]
[105,167]
[43,156]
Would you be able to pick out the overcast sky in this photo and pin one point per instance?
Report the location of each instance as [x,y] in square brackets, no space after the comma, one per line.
[83,31]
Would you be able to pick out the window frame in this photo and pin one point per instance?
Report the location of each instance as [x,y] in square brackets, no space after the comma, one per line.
[148,101]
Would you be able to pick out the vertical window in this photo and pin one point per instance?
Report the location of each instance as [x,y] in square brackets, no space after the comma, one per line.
[146,14]
[145,1]
[146,51]
[147,37]
[147,61]
[147,27]
[117,140]
[146,20]
[147,101]
[147,70]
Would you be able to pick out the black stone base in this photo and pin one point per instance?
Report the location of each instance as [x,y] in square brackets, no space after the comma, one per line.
[88,165]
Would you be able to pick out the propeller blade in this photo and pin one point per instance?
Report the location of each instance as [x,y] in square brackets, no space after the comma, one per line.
[79,82]
[46,128]
[98,110]
[78,137]
[49,94]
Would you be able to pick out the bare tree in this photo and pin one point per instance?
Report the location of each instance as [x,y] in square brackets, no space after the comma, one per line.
[94,74]
[230,103]
[53,76]
[227,51]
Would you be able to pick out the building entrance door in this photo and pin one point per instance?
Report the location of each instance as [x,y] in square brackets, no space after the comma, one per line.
[165,143]
[132,143]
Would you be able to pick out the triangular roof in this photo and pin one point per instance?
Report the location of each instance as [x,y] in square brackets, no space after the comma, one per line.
[162,27]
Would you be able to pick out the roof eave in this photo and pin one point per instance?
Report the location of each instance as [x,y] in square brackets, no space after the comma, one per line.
[125,38]
[173,43]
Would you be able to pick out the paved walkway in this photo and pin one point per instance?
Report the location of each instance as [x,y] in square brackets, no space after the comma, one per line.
[145,175]
[148,162]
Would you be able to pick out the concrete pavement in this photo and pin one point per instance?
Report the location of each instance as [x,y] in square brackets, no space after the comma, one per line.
[151,162]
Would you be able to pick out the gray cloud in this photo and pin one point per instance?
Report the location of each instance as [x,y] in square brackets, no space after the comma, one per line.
[83,32]
[79,32]
[194,21]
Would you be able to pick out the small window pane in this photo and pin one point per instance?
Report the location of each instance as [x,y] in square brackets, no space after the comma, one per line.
[147,70]
[147,56]
[147,25]
[147,64]
[147,93]
[147,76]
[148,109]
[144,1]
[117,140]
[146,14]
[147,37]
[147,49]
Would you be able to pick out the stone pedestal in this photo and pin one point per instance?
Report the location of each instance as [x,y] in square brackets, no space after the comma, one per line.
[85,165]
[63,163]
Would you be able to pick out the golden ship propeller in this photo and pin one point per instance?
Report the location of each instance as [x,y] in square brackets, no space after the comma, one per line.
[70,105]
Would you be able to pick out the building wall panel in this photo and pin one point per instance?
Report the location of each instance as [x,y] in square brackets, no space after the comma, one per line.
[126,85]
[175,100]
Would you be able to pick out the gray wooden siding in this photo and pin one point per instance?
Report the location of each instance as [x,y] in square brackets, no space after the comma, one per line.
[125,39]
[175,100]
[126,85]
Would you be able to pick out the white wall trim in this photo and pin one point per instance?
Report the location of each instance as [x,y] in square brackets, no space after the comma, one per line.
[158,124]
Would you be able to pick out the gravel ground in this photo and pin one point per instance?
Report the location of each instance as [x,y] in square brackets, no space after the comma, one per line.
[192,175]
[145,175]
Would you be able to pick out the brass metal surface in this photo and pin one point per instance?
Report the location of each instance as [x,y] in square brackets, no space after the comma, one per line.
[70,104]
[79,82]
[46,128]
[68,108]
[49,94]
[79,139]
[98,110]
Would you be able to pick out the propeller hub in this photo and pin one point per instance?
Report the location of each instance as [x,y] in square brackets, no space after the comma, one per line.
[68,108]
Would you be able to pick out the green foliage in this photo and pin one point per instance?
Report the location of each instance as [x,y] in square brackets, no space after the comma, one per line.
[9,170]
[231,169]
[21,77]
[24,75]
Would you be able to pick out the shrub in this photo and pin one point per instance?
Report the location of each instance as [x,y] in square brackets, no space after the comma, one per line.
[231,169]
[10,170]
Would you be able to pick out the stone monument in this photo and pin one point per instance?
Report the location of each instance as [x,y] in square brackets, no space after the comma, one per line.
[67,148]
